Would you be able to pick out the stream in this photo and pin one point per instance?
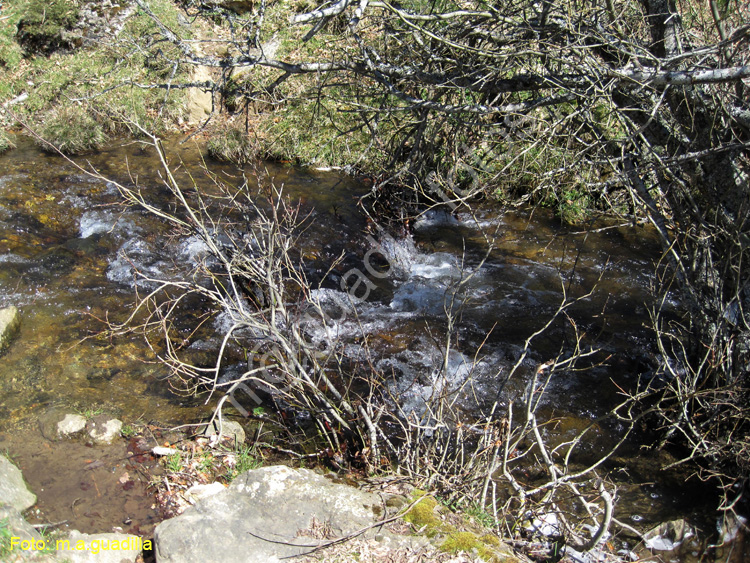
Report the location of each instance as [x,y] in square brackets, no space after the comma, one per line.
[69,252]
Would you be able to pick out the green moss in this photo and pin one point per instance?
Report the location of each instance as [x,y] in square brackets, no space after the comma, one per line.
[425,518]
[491,540]
[422,515]
[464,541]
[485,546]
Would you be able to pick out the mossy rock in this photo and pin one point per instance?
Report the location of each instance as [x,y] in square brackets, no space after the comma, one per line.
[454,533]
[487,546]
[422,515]
[45,26]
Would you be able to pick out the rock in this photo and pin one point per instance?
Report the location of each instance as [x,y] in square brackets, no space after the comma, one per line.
[101,548]
[262,515]
[668,536]
[734,539]
[15,497]
[10,323]
[103,429]
[56,424]
[197,492]
[14,526]
[230,430]
[199,102]
[13,490]
[675,540]
[71,424]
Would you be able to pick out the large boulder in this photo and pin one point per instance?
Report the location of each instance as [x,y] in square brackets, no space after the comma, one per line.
[13,490]
[10,322]
[266,515]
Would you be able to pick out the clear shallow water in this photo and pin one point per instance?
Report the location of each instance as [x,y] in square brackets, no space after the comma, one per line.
[69,252]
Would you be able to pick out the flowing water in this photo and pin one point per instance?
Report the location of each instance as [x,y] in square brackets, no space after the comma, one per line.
[69,252]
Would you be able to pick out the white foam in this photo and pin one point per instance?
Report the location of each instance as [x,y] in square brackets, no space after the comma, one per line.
[194,250]
[103,221]
[419,377]
[134,260]
[10,258]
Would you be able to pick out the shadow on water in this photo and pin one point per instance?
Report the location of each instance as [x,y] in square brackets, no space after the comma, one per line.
[69,252]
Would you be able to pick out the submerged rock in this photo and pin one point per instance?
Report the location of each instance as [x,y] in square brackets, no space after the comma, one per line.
[71,424]
[675,540]
[56,424]
[10,323]
[103,429]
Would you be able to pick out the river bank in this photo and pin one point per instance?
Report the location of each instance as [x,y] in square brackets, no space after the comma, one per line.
[174,510]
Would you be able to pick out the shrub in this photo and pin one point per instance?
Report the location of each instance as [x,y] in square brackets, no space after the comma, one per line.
[72,130]
[44,26]
[232,144]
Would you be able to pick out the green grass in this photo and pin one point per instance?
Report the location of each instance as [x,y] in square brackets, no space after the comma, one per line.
[72,130]
[101,78]
[246,459]
[174,463]
[5,535]
[232,144]
[43,23]
[90,412]
[321,131]
[481,516]
[10,51]
[48,537]
[206,462]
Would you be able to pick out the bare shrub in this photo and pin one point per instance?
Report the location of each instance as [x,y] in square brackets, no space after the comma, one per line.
[337,401]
